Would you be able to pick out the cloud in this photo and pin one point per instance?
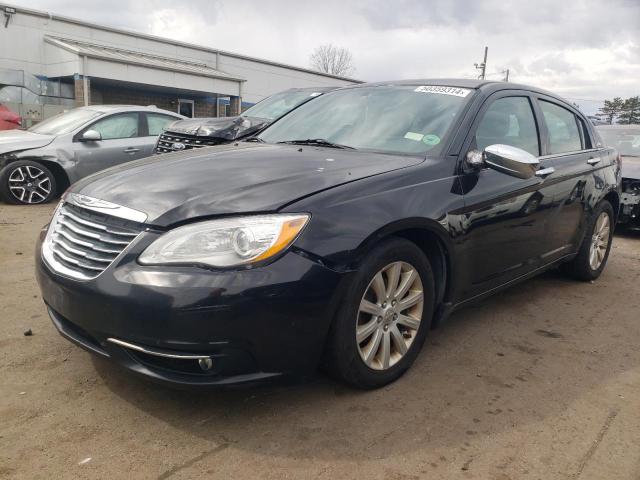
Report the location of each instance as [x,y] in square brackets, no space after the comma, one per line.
[579,48]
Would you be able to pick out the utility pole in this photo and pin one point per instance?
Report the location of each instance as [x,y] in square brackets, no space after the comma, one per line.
[483,66]
[506,75]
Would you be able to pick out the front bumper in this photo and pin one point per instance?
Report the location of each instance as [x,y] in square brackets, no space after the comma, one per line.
[159,322]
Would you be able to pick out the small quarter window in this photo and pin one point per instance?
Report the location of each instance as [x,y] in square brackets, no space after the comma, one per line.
[562,125]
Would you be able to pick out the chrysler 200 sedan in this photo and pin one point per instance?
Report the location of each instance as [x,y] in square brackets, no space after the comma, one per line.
[338,237]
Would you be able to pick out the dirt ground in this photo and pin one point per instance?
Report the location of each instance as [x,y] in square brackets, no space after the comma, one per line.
[540,382]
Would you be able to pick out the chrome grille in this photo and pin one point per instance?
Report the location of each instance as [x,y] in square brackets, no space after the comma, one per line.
[82,243]
[168,139]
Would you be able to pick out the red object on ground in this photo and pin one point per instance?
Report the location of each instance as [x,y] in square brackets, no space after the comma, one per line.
[8,119]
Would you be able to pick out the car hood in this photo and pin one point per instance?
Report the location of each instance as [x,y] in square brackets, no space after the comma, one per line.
[17,140]
[231,179]
[224,128]
[631,167]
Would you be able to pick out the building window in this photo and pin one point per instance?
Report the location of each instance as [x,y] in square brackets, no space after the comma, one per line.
[185,107]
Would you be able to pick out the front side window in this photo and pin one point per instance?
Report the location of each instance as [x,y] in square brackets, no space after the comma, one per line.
[157,122]
[124,125]
[391,118]
[562,125]
[509,121]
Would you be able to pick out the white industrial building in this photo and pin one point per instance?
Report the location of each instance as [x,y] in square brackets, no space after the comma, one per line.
[49,63]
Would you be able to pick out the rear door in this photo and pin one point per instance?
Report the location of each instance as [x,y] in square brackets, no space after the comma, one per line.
[122,141]
[505,217]
[568,145]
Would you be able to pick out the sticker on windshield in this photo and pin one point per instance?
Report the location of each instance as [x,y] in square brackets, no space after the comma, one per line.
[455,91]
[431,139]
[413,136]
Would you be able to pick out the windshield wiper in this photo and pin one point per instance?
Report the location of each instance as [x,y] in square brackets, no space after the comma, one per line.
[254,139]
[318,141]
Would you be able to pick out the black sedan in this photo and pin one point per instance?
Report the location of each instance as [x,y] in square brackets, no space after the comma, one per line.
[339,236]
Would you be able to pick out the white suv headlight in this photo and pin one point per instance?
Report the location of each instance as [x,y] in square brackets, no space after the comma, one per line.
[226,242]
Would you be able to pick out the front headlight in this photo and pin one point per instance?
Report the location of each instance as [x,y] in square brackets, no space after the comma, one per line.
[226,242]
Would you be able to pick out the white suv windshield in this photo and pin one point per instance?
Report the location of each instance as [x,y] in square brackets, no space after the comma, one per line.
[64,122]
[398,119]
[625,140]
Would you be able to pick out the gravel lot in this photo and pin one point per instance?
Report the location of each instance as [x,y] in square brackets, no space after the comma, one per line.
[540,382]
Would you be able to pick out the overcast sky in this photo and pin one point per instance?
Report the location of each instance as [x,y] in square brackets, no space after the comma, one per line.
[584,50]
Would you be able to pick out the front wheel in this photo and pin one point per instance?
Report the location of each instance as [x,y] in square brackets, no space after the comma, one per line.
[385,316]
[27,182]
[596,244]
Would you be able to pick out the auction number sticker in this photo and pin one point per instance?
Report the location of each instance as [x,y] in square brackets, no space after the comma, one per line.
[455,91]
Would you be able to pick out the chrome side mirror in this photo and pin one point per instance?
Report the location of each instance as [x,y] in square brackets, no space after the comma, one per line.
[91,136]
[506,159]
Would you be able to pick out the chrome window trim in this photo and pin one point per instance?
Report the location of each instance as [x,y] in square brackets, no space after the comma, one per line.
[107,208]
[573,152]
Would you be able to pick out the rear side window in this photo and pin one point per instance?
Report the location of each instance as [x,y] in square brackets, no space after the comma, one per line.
[562,125]
[509,121]
[157,123]
[123,125]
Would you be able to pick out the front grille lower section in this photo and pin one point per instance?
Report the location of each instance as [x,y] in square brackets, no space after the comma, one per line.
[167,141]
[82,243]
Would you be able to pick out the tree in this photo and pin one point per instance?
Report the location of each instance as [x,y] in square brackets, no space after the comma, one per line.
[610,110]
[630,113]
[333,60]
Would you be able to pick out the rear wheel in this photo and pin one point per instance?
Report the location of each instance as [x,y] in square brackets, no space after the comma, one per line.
[385,316]
[27,182]
[596,244]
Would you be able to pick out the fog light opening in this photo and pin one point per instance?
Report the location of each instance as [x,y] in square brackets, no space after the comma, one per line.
[205,363]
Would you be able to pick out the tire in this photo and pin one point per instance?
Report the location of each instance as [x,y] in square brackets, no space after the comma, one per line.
[582,267]
[26,182]
[345,356]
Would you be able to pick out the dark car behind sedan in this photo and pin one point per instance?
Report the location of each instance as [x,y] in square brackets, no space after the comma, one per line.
[205,132]
[340,235]
[626,140]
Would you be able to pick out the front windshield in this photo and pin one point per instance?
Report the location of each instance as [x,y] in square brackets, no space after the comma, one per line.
[64,122]
[625,140]
[398,119]
[279,104]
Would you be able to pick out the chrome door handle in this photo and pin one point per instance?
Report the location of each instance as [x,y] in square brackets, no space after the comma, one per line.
[543,172]
[131,150]
[594,161]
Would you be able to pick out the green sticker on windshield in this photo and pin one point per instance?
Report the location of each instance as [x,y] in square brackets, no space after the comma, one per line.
[431,139]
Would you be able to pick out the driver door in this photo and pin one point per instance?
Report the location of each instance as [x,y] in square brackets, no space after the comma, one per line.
[505,217]
[122,141]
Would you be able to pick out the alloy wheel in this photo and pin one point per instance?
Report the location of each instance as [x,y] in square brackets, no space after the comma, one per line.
[29,184]
[599,241]
[389,315]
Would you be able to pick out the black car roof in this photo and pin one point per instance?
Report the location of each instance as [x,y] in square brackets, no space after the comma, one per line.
[488,86]
[311,89]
